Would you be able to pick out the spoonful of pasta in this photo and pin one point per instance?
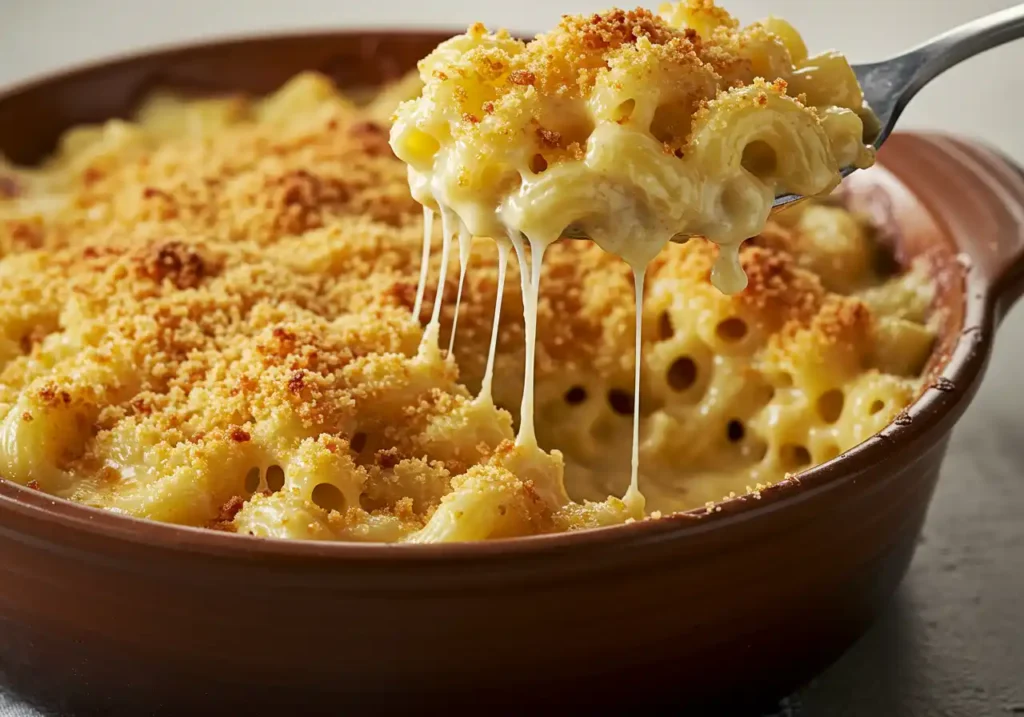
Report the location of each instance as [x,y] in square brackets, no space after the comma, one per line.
[636,128]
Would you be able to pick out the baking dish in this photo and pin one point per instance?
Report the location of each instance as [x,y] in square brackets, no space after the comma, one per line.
[735,607]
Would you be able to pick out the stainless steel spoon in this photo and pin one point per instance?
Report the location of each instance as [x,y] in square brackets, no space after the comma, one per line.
[891,84]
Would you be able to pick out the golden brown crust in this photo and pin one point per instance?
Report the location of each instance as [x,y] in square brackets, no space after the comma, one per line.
[694,50]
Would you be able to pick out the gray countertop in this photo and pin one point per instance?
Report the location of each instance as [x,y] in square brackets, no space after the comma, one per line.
[952,641]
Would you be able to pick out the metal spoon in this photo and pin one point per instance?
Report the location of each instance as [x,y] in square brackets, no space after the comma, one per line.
[890,85]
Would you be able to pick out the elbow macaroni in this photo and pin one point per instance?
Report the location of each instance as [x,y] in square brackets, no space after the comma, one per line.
[205,312]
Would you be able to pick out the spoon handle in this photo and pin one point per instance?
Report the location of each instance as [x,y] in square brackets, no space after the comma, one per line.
[891,84]
[970,39]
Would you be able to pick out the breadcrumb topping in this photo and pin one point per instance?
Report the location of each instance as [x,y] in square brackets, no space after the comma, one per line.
[691,51]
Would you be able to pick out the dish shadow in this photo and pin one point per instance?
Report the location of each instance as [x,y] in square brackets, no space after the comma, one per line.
[878,675]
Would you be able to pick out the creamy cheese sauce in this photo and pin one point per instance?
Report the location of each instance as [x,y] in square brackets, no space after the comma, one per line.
[530,279]
[465,250]
[428,227]
[727,274]
[485,396]
[430,336]
[638,283]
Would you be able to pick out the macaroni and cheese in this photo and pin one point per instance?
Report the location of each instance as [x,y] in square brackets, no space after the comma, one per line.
[231,313]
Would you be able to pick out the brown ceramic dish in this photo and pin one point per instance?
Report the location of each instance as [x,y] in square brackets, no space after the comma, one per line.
[105,614]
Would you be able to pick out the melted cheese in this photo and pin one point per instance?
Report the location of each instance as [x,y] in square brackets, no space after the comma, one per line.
[432,333]
[465,247]
[633,495]
[485,396]
[530,277]
[421,285]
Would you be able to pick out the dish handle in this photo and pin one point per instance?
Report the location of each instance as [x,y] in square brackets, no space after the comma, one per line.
[978,193]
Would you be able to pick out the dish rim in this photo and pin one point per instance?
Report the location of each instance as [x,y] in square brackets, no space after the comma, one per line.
[932,412]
